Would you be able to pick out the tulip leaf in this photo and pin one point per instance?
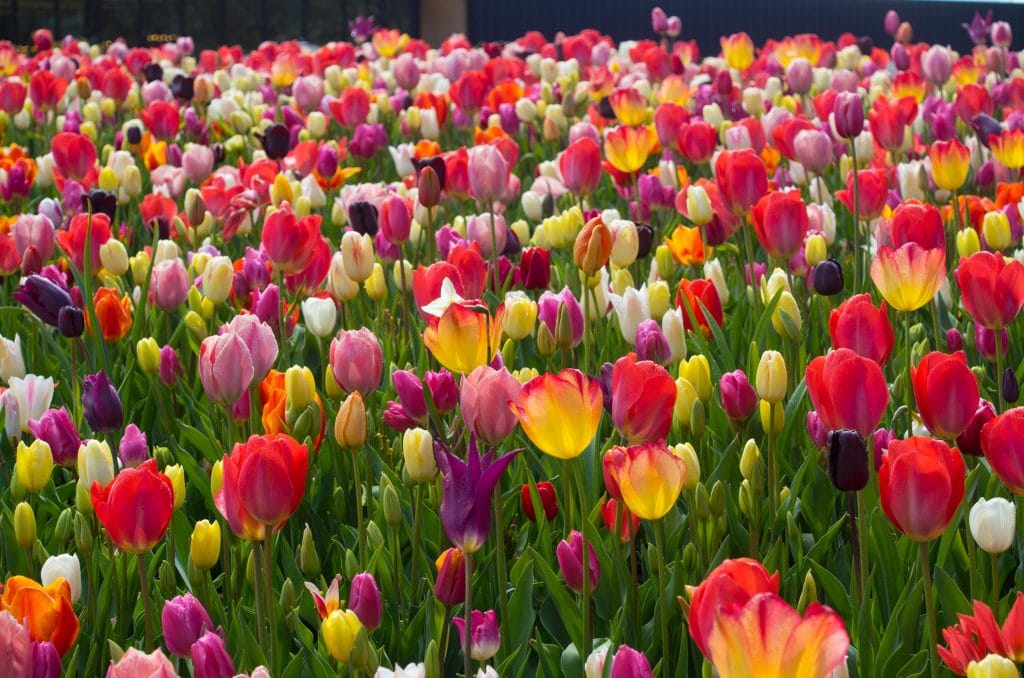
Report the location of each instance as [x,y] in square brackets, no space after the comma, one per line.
[950,597]
[908,607]
[821,547]
[835,593]
[521,608]
[567,608]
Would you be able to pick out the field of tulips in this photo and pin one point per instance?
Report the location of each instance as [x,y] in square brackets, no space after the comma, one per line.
[554,357]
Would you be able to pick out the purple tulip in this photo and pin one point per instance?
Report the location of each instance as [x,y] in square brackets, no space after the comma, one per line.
[628,663]
[184,621]
[102,405]
[486,635]
[210,658]
[978,28]
[954,340]
[848,112]
[134,448]
[44,298]
[570,562]
[549,306]
[468,490]
[266,305]
[45,661]
[443,390]
[365,600]
[816,430]
[58,431]
[397,418]
[367,140]
[410,395]
[738,397]
[170,369]
[985,341]
[651,343]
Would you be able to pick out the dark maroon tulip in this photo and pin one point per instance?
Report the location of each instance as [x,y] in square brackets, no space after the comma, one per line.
[363,217]
[847,460]
[44,298]
[102,405]
[828,278]
[71,322]
[848,112]
[535,268]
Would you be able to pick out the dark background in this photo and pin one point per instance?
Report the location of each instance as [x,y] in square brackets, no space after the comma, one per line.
[247,22]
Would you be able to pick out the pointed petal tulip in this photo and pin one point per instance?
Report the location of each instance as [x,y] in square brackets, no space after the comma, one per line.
[46,610]
[560,413]
[468,492]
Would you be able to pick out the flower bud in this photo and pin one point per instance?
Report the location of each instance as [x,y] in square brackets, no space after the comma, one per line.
[33,465]
[204,545]
[996,228]
[309,559]
[993,524]
[686,452]
[418,452]
[147,352]
[114,257]
[847,460]
[350,424]
[24,525]
[771,377]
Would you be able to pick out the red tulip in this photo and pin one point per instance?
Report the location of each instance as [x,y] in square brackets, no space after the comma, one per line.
[116,84]
[627,522]
[993,290]
[946,392]
[780,222]
[847,391]
[12,95]
[580,165]
[136,507]
[668,119]
[1002,440]
[729,585]
[860,326]
[46,90]
[915,221]
[697,141]
[162,119]
[873,188]
[971,101]
[72,240]
[468,91]
[742,177]
[921,484]
[784,135]
[351,108]
[548,500]
[73,155]
[264,480]
[289,241]
[643,395]
[691,292]
[889,119]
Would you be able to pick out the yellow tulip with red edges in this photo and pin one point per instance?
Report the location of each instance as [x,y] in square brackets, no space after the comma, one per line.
[951,161]
[1008,148]
[627,148]
[629,105]
[738,51]
[910,276]
[465,336]
[766,637]
[650,478]
[560,412]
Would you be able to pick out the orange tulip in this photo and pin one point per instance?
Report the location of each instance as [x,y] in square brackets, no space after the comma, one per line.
[767,638]
[629,105]
[560,412]
[650,478]
[113,312]
[627,148]
[47,610]
[687,246]
[1008,148]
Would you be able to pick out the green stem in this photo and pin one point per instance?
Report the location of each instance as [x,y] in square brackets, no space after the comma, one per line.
[359,510]
[499,537]
[467,641]
[995,583]
[417,527]
[585,596]
[999,370]
[856,217]
[909,391]
[268,594]
[929,600]
[147,604]
[659,536]
[261,603]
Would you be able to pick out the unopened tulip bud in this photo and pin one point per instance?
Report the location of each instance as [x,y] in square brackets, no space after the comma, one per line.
[686,452]
[808,594]
[666,261]
[177,475]
[418,452]
[392,508]
[33,465]
[847,460]
[376,286]
[750,456]
[993,524]
[300,388]
[309,559]
[996,228]
[350,424]
[815,249]
[771,377]
[967,242]
[204,545]
[593,246]
[828,278]
[698,419]
[218,276]
[65,527]
[147,353]
[1009,386]
[697,371]
[114,257]
[24,525]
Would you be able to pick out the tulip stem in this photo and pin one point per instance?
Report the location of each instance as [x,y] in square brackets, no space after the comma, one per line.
[856,217]
[494,265]
[268,596]
[999,370]
[147,604]
[499,538]
[261,602]
[929,601]
[659,538]
[467,641]
[585,596]
[359,510]
[995,583]
[634,614]
[909,386]
[417,526]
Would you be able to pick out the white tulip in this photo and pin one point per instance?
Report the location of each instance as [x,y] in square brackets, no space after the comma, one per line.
[993,524]
[66,566]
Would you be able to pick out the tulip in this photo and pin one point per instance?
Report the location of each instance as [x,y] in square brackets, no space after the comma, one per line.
[225,368]
[468,491]
[951,161]
[847,391]
[112,311]
[12,363]
[652,344]
[553,307]
[170,366]
[627,148]
[486,396]
[357,361]
[488,173]
[43,298]
[33,465]
[135,508]
[134,663]
[486,636]
[210,658]
[813,149]
[350,423]
[534,268]
[24,525]
[914,221]
[921,484]
[697,299]
[184,621]
[910,276]
[288,240]
[649,477]
[95,464]
[259,339]
[465,336]
[946,391]
[993,290]
[450,585]
[863,328]
[365,600]
[25,400]
[847,460]
[643,396]
[46,611]
[73,155]
[629,663]
[738,398]
[766,636]
[742,179]
[593,246]
[731,584]
[992,666]
[560,413]
[395,219]
[169,285]
[993,523]
[520,315]
[101,403]
[771,377]
[133,449]
[320,316]
[780,223]
[580,166]
[66,567]
[204,545]
[264,480]
[548,500]
[570,562]
[848,115]
[1008,147]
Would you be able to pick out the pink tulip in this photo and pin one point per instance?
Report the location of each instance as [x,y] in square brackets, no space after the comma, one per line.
[168,285]
[35,230]
[137,664]
[15,646]
[357,361]
[225,368]
[485,398]
[197,163]
[394,219]
[259,338]
[488,173]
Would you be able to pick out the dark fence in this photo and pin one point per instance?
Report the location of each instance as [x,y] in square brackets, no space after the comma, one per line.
[706,20]
[209,22]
